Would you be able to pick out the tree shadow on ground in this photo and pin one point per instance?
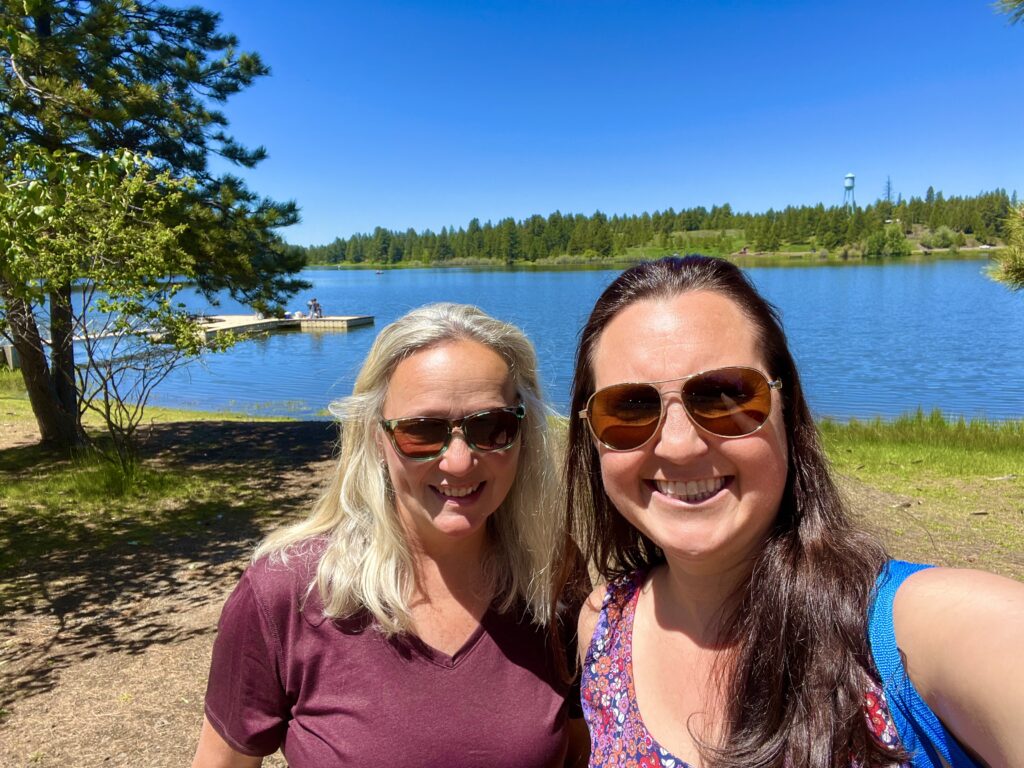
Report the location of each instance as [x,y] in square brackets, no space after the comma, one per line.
[121,590]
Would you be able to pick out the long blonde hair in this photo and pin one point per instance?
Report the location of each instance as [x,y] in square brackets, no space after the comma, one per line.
[365,562]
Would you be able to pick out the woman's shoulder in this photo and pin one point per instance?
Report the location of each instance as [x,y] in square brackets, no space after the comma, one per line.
[951,591]
[284,579]
[947,597]
[615,593]
[959,632]
[924,601]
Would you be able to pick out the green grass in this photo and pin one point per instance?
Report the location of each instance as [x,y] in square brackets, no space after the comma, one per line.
[14,404]
[57,513]
[50,504]
[13,397]
[956,487]
[925,444]
[52,507]
[11,382]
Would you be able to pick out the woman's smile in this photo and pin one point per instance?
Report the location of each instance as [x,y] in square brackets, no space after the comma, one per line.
[459,494]
[692,491]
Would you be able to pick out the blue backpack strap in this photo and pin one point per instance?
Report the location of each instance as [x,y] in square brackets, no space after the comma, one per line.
[920,730]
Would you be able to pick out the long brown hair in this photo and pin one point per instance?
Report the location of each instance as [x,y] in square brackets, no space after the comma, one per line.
[796,689]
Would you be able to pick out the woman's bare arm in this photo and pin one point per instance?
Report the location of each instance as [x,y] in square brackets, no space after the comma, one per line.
[962,633]
[214,752]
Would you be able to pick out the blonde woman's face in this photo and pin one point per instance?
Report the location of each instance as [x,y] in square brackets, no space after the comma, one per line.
[444,502]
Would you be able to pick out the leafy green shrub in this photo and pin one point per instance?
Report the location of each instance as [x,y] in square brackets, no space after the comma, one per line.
[888,242]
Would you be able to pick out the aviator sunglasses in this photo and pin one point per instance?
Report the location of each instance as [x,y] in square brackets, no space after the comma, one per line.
[727,402]
[422,438]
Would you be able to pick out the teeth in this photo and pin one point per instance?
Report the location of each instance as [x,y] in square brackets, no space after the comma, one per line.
[458,493]
[692,491]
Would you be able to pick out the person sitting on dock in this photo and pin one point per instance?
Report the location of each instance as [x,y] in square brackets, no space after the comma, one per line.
[315,310]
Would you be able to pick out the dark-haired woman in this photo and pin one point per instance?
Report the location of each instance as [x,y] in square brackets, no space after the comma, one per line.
[745,620]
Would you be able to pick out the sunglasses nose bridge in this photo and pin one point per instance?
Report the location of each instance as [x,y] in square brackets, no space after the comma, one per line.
[678,426]
[457,430]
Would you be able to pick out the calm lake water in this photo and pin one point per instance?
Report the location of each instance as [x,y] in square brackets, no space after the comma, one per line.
[869,340]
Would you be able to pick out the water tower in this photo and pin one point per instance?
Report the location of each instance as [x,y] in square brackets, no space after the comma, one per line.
[848,201]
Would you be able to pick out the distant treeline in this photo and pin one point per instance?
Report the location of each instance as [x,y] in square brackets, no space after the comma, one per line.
[878,229]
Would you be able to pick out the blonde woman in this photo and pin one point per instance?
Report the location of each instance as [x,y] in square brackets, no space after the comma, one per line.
[407,620]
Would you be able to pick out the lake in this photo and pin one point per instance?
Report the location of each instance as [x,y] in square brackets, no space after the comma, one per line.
[869,339]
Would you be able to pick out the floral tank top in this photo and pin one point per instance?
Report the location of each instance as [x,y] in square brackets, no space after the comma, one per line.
[617,732]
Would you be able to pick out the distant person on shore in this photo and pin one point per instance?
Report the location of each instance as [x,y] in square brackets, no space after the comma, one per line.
[746,621]
[411,619]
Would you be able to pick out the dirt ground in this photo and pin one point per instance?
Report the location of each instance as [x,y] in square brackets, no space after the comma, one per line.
[110,668]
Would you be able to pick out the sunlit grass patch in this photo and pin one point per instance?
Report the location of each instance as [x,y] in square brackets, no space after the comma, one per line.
[959,484]
[928,444]
[49,505]
[14,404]
[13,396]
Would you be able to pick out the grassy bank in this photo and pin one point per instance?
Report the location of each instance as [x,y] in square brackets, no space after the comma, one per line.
[954,485]
[889,452]
[958,486]
[14,405]
[708,243]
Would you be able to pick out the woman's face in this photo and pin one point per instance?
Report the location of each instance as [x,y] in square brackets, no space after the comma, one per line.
[719,522]
[446,501]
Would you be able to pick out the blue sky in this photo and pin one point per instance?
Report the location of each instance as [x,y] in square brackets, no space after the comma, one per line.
[427,114]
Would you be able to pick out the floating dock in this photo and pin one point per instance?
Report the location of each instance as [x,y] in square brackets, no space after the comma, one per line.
[243,324]
[240,324]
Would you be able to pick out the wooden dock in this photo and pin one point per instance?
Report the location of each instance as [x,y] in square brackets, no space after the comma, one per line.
[244,324]
[240,324]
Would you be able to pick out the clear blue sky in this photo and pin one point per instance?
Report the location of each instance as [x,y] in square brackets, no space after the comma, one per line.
[427,114]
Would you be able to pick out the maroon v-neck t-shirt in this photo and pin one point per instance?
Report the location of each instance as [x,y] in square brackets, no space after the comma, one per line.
[337,693]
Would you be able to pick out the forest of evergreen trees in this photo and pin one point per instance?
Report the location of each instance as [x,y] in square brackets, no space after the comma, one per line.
[880,229]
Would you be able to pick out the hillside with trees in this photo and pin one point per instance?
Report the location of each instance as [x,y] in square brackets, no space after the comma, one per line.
[886,228]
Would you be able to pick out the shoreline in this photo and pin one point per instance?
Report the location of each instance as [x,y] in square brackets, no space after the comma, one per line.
[759,258]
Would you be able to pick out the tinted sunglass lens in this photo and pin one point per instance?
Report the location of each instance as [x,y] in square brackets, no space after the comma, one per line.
[625,416]
[492,430]
[420,438]
[730,402]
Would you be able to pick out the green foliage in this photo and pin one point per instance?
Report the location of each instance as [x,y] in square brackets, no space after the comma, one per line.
[99,223]
[887,242]
[99,75]
[569,238]
[65,218]
[943,238]
[1012,8]
[80,81]
[1009,267]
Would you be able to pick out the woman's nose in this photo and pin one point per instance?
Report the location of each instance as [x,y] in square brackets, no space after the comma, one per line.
[679,438]
[459,456]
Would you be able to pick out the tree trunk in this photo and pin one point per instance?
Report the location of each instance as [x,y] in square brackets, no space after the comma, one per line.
[62,349]
[58,427]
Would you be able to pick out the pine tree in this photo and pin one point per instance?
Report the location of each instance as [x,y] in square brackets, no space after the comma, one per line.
[94,76]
